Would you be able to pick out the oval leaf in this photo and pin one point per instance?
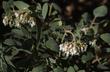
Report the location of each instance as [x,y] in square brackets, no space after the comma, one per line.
[56,7]
[38,69]
[106,37]
[58,69]
[17,32]
[70,69]
[8,60]
[45,10]
[21,5]
[9,42]
[108,50]
[52,45]
[76,67]
[81,71]
[100,11]
[87,57]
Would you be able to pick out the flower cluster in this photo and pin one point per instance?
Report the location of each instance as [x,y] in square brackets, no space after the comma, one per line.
[73,48]
[19,18]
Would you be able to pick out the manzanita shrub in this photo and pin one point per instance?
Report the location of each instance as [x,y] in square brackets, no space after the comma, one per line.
[40,41]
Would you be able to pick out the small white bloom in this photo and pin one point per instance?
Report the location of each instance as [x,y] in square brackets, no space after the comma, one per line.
[21,17]
[16,14]
[67,54]
[74,48]
[5,20]
[32,24]
[61,46]
[17,24]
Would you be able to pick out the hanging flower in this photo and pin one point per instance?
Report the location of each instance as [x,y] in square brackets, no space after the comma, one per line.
[18,18]
[5,20]
[73,48]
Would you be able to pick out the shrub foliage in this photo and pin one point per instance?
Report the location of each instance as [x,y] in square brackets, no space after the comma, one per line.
[41,41]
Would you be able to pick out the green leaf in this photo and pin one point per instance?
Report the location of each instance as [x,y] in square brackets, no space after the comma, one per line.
[38,69]
[29,52]
[83,58]
[45,10]
[70,69]
[45,0]
[76,67]
[81,71]
[58,69]
[9,42]
[18,43]
[95,28]
[87,57]
[52,45]
[38,7]
[7,6]
[26,32]
[85,17]
[55,24]
[3,66]
[108,50]
[56,7]
[103,67]
[18,32]
[100,11]
[8,59]
[106,37]
[81,24]
[14,52]
[90,32]
[54,13]
[21,5]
